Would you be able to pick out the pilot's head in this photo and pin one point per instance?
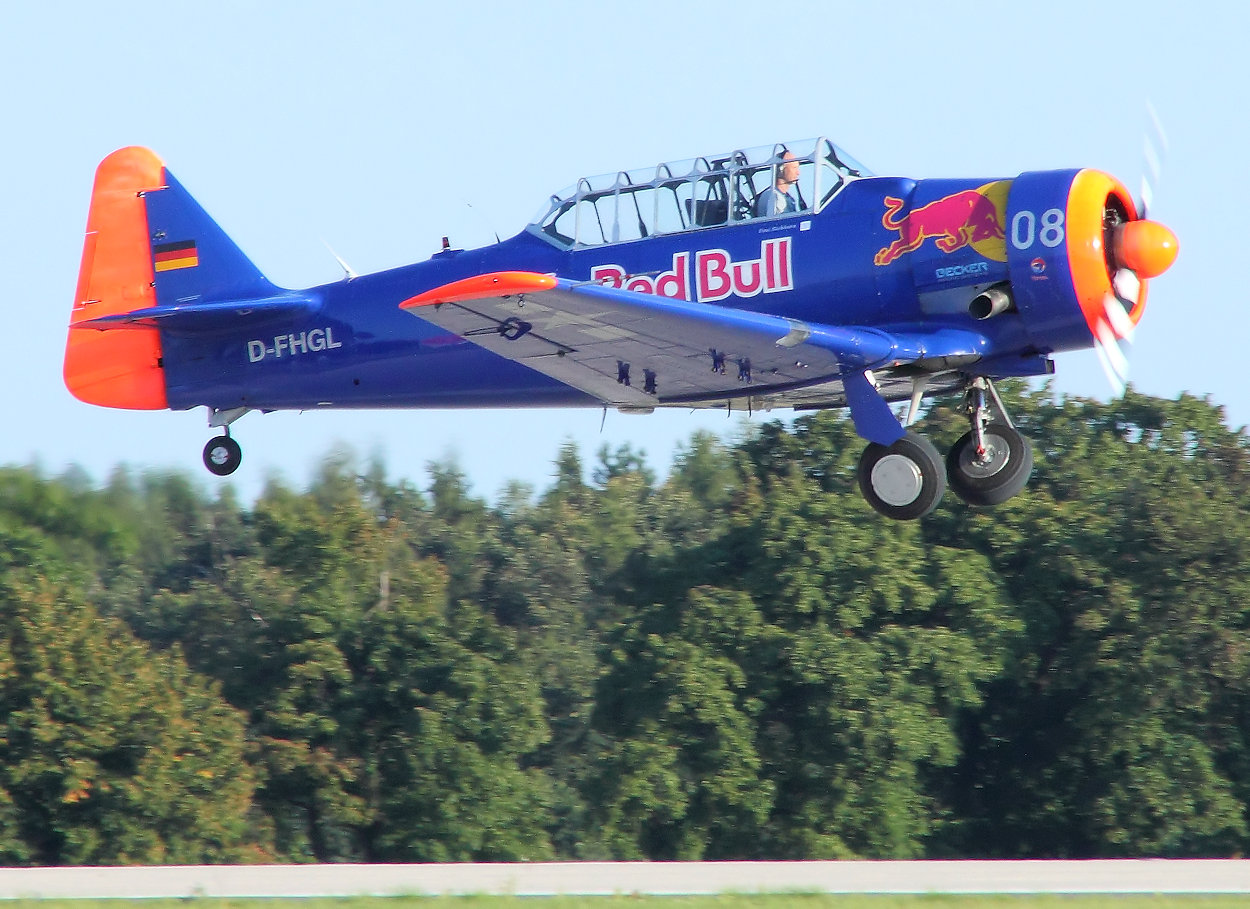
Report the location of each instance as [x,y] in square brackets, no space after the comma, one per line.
[788,170]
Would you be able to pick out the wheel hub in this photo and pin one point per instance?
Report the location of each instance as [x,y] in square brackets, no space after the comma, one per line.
[995,457]
[897,480]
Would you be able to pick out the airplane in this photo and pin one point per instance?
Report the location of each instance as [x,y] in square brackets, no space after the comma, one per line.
[781,276]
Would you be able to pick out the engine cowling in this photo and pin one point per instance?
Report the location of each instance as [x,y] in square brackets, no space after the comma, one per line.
[1079,257]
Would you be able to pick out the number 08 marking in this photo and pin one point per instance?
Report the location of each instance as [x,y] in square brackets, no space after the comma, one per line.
[1024,229]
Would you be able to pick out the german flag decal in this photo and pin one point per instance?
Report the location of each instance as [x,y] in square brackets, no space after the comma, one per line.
[170,256]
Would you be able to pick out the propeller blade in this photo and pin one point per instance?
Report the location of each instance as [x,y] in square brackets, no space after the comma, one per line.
[1127,286]
[1116,306]
[1113,331]
[1155,146]
[1142,249]
[1112,359]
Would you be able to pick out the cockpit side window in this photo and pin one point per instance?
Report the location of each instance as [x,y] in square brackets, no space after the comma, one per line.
[635,211]
[710,203]
[749,183]
[594,220]
[830,181]
[561,223]
[786,186]
[671,206]
[805,189]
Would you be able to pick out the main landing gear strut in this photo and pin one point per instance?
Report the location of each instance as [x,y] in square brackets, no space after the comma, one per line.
[987,466]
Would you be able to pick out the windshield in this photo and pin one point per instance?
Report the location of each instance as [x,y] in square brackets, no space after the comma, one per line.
[763,182]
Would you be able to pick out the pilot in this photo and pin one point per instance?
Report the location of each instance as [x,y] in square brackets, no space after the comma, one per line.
[777,199]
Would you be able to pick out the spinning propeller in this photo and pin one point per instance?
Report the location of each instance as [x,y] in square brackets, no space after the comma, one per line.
[1137,249]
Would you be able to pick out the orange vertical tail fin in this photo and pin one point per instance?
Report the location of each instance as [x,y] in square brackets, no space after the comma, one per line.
[119,368]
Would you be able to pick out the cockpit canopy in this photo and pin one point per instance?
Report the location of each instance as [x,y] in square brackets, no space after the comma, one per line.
[691,194]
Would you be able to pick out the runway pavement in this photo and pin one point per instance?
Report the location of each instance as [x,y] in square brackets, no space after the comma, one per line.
[653,878]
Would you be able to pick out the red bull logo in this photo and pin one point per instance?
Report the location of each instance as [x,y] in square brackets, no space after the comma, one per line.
[971,217]
[713,275]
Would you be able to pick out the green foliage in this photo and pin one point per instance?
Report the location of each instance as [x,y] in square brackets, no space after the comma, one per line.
[829,656]
[110,754]
[738,661]
[1121,716]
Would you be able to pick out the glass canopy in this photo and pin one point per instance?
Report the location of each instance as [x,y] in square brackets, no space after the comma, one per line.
[696,193]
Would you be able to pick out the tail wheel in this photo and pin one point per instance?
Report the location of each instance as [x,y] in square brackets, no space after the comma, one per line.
[995,474]
[222,456]
[903,481]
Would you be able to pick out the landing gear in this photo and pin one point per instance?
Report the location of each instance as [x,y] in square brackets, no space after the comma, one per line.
[991,462]
[222,456]
[987,466]
[992,469]
[903,481]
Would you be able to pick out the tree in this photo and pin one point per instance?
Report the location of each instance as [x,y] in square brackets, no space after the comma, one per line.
[833,651]
[111,754]
[1118,726]
[392,724]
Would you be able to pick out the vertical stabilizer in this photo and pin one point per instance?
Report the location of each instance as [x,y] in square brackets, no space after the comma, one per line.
[194,260]
[149,244]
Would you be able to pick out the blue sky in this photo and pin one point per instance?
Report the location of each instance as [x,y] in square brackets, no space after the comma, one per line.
[376,128]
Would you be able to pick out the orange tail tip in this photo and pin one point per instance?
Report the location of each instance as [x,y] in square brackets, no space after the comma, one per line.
[117,368]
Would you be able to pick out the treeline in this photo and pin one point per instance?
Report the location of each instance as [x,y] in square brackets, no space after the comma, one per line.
[742,661]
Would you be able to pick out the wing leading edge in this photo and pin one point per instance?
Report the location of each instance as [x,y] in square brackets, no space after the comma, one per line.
[637,350]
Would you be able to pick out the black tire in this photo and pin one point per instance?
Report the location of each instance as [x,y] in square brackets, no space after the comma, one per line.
[1001,474]
[903,481]
[222,456]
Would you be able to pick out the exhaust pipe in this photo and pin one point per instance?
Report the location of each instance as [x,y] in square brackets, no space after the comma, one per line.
[992,301]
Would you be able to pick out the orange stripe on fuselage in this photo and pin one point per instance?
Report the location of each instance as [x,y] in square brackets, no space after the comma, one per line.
[119,368]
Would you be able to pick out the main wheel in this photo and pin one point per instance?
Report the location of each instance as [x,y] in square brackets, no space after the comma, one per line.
[997,474]
[223,456]
[903,481]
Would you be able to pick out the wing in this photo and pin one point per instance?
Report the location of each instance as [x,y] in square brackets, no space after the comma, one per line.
[637,350]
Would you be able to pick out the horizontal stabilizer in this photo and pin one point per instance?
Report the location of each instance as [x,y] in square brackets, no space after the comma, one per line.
[206,318]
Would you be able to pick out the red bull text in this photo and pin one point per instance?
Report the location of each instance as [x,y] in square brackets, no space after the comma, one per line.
[713,276]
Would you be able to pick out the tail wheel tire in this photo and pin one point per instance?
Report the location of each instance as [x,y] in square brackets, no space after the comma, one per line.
[903,481]
[995,475]
[222,456]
